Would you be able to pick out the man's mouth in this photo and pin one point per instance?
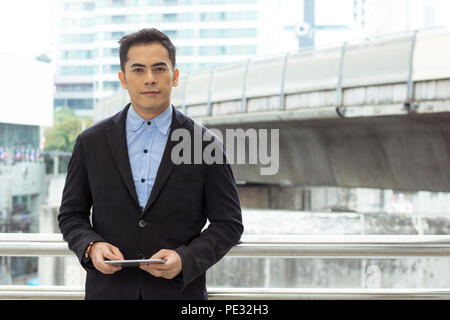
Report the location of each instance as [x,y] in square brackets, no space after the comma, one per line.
[150,93]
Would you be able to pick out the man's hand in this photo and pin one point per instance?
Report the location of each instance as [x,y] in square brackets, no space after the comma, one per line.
[101,251]
[168,270]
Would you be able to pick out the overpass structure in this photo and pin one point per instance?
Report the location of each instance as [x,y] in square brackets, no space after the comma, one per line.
[372,113]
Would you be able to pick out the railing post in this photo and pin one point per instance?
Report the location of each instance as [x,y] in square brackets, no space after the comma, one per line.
[283,81]
[339,95]
[410,104]
[244,88]
[208,106]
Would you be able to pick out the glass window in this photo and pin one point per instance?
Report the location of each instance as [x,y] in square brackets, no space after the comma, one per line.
[21,204]
[170,17]
[228,33]
[226,1]
[118,3]
[103,3]
[79,70]
[111,68]
[111,85]
[136,3]
[80,103]
[16,135]
[111,52]
[78,38]
[179,34]
[79,54]
[118,19]
[185,51]
[74,87]
[116,35]
[88,6]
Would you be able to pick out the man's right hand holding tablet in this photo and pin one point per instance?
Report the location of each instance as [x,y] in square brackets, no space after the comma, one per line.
[101,251]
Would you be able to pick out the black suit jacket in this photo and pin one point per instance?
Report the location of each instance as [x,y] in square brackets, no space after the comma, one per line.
[182,199]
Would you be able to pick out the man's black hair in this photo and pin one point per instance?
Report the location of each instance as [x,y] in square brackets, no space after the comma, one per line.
[142,37]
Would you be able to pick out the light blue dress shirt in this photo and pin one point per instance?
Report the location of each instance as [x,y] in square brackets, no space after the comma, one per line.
[146,141]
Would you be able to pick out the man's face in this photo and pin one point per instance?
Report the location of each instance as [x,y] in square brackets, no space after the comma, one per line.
[149,77]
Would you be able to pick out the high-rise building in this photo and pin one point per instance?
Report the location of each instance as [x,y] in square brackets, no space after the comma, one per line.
[204,32]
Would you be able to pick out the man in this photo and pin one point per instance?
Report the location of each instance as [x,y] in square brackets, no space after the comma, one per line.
[144,205]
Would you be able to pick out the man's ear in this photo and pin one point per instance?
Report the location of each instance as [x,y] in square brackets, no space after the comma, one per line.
[176,74]
[123,80]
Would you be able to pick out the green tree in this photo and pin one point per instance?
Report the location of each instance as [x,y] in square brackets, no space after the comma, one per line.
[66,127]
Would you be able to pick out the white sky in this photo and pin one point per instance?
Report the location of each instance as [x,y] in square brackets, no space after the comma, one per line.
[25,26]
[332,12]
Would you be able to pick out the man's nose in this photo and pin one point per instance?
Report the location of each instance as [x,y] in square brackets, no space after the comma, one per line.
[149,79]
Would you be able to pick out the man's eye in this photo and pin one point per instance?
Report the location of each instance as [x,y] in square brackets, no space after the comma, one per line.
[159,69]
[138,70]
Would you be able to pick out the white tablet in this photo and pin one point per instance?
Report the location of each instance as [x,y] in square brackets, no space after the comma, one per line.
[133,263]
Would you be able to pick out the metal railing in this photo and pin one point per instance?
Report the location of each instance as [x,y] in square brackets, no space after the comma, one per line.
[360,246]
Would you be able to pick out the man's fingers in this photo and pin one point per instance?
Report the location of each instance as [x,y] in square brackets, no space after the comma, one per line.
[161,254]
[109,254]
[106,251]
[117,253]
[153,272]
[104,268]
[158,266]
[169,269]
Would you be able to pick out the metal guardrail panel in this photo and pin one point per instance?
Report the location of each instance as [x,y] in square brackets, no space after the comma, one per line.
[381,61]
[197,87]
[431,57]
[312,70]
[264,77]
[228,82]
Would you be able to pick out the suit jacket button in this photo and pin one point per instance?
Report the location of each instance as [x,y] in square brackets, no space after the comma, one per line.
[142,223]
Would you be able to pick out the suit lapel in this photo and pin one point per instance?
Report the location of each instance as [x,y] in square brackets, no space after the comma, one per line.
[117,139]
[166,165]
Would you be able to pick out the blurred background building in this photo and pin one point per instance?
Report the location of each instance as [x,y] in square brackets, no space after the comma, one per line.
[26,108]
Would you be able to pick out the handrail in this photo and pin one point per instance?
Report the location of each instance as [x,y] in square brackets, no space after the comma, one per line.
[357,246]
[77,293]
[311,246]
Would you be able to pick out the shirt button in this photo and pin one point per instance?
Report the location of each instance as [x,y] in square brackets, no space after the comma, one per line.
[149,122]
[142,180]
[142,223]
[145,150]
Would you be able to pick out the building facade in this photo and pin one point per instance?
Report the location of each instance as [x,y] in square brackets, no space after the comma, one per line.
[205,33]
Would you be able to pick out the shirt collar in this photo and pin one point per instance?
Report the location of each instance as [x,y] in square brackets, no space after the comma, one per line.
[162,121]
